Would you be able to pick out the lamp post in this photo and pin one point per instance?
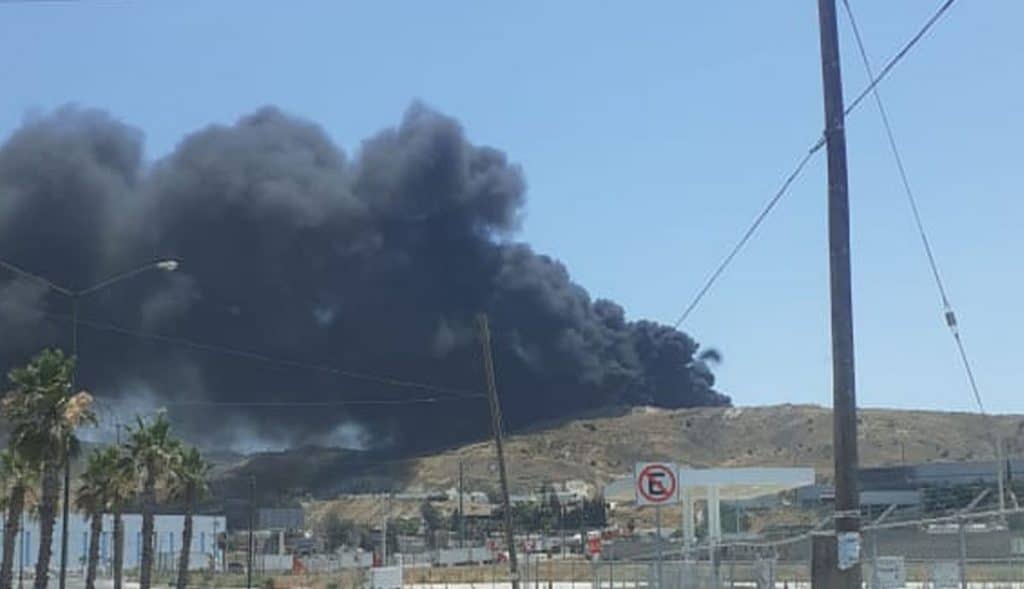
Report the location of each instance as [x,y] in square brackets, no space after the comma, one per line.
[167,265]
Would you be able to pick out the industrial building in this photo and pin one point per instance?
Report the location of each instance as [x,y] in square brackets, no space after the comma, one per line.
[903,485]
[935,474]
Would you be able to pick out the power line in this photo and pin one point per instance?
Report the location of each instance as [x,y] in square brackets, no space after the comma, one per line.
[875,80]
[900,55]
[911,199]
[35,278]
[947,308]
[40,2]
[748,234]
[255,356]
[360,402]
[385,380]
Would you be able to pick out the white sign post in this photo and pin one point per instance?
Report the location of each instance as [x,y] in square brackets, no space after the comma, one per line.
[657,484]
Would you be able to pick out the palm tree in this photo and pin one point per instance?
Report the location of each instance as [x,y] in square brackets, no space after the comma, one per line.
[44,415]
[18,478]
[153,451]
[188,486]
[93,498]
[122,488]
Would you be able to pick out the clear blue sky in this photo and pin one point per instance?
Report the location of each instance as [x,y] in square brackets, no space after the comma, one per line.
[651,133]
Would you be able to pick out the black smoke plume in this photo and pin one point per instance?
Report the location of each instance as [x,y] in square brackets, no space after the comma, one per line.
[288,248]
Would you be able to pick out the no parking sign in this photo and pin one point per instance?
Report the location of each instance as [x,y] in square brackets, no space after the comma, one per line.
[656,483]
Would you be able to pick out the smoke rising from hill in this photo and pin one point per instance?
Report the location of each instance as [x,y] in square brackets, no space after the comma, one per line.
[373,263]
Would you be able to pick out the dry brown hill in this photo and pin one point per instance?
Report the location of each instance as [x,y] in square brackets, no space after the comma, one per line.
[599,447]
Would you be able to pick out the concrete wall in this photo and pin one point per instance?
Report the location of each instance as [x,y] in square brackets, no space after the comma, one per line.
[275,563]
[453,556]
[321,563]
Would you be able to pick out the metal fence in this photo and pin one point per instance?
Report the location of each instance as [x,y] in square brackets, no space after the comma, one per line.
[956,551]
[960,550]
[760,574]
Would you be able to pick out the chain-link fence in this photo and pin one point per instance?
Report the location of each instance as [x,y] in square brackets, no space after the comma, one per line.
[960,550]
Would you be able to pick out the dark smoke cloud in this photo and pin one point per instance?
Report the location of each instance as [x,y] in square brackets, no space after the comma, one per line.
[375,264]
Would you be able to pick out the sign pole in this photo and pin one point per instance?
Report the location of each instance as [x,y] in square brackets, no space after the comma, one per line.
[657,525]
[657,484]
[686,527]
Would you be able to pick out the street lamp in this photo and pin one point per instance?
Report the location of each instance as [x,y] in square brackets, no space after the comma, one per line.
[166,265]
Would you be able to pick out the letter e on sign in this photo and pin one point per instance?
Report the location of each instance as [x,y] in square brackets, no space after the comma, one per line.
[656,483]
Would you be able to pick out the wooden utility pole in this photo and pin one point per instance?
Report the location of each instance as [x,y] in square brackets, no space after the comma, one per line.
[251,540]
[492,395]
[462,512]
[384,532]
[847,571]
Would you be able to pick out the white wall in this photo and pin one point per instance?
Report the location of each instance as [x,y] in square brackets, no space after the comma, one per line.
[168,542]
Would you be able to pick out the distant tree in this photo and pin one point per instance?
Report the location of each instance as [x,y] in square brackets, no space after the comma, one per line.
[336,531]
[366,539]
[455,520]
[432,522]
[597,512]
[552,510]
[528,517]
[554,504]
[404,526]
